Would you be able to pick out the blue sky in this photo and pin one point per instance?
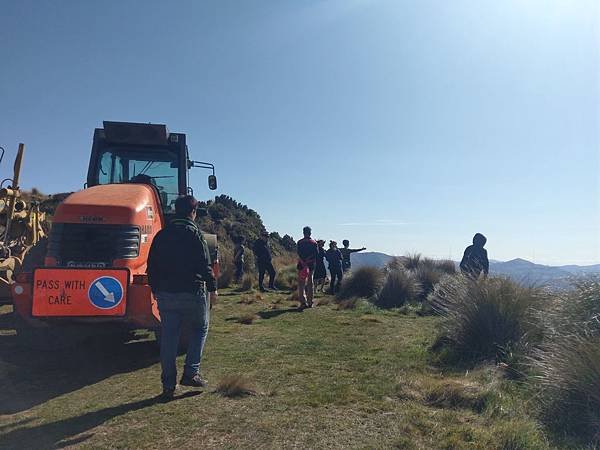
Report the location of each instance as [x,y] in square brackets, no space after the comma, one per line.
[400,125]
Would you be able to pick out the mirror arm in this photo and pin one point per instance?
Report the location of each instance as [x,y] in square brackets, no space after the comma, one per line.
[202,165]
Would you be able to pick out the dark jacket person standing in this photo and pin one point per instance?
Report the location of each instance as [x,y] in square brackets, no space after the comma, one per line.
[264,263]
[180,276]
[334,258]
[346,252]
[475,260]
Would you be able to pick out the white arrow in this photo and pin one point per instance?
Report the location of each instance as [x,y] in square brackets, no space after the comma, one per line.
[108,296]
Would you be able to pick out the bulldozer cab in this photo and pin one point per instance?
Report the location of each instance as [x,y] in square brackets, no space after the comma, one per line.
[125,152]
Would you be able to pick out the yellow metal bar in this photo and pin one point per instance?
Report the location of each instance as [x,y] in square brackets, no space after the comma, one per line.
[15,187]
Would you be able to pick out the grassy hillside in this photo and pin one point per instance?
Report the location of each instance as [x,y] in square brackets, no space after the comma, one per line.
[324,378]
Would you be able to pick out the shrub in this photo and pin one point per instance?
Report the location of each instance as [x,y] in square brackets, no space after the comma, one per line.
[235,386]
[567,366]
[396,263]
[287,278]
[487,319]
[411,261]
[427,276]
[363,282]
[399,288]
[569,373]
[246,283]
[227,267]
[246,319]
[446,266]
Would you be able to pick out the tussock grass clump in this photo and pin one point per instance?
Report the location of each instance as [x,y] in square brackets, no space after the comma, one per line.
[487,319]
[446,266]
[347,304]
[363,282]
[246,283]
[246,300]
[567,366]
[235,386]
[323,301]
[396,263]
[456,394]
[569,373]
[247,319]
[427,276]
[287,278]
[399,288]
[412,261]
[427,271]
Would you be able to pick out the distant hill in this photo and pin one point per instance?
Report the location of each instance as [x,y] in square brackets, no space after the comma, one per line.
[518,269]
[374,259]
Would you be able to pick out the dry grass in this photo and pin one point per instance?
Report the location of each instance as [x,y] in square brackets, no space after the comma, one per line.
[347,304]
[324,301]
[247,319]
[453,393]
[287,277]
[246,300]
[235,386]
[246,283]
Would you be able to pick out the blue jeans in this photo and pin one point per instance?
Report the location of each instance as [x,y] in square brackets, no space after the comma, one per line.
[174,308]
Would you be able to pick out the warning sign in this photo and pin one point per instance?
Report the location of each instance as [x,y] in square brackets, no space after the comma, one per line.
[79,292]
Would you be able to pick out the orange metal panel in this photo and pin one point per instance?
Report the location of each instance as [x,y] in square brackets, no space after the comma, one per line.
[79,292]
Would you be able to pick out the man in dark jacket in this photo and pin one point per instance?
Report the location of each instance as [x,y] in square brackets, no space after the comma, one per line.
[180,276]
[238,259]
[264,263]
[346,252]
[475,260]
[334,258]
[307,257]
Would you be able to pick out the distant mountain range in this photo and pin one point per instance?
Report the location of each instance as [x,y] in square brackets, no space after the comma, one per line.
[518,269]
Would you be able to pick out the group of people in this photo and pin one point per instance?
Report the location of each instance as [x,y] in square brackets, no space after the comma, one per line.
[312,256]
[311,265]
[182,281]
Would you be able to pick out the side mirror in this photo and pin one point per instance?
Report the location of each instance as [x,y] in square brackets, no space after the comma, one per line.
[212,182]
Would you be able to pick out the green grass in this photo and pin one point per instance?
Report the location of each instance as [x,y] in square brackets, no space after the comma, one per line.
[323,378]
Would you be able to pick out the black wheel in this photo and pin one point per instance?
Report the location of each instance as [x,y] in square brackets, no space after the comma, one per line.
[46,338]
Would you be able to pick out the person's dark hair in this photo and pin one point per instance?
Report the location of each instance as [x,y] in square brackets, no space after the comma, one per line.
[479,240]
[345,242]
[307,231]
[184,205]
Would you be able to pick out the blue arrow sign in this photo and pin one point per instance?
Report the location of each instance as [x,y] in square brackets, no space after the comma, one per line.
[105,292]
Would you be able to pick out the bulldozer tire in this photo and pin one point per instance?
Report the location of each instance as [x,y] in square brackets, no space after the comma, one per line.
[34,257]
[46,339]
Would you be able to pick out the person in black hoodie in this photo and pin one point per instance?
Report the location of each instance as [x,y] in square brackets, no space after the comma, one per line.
[475,259]
[181,278]
[264,262]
